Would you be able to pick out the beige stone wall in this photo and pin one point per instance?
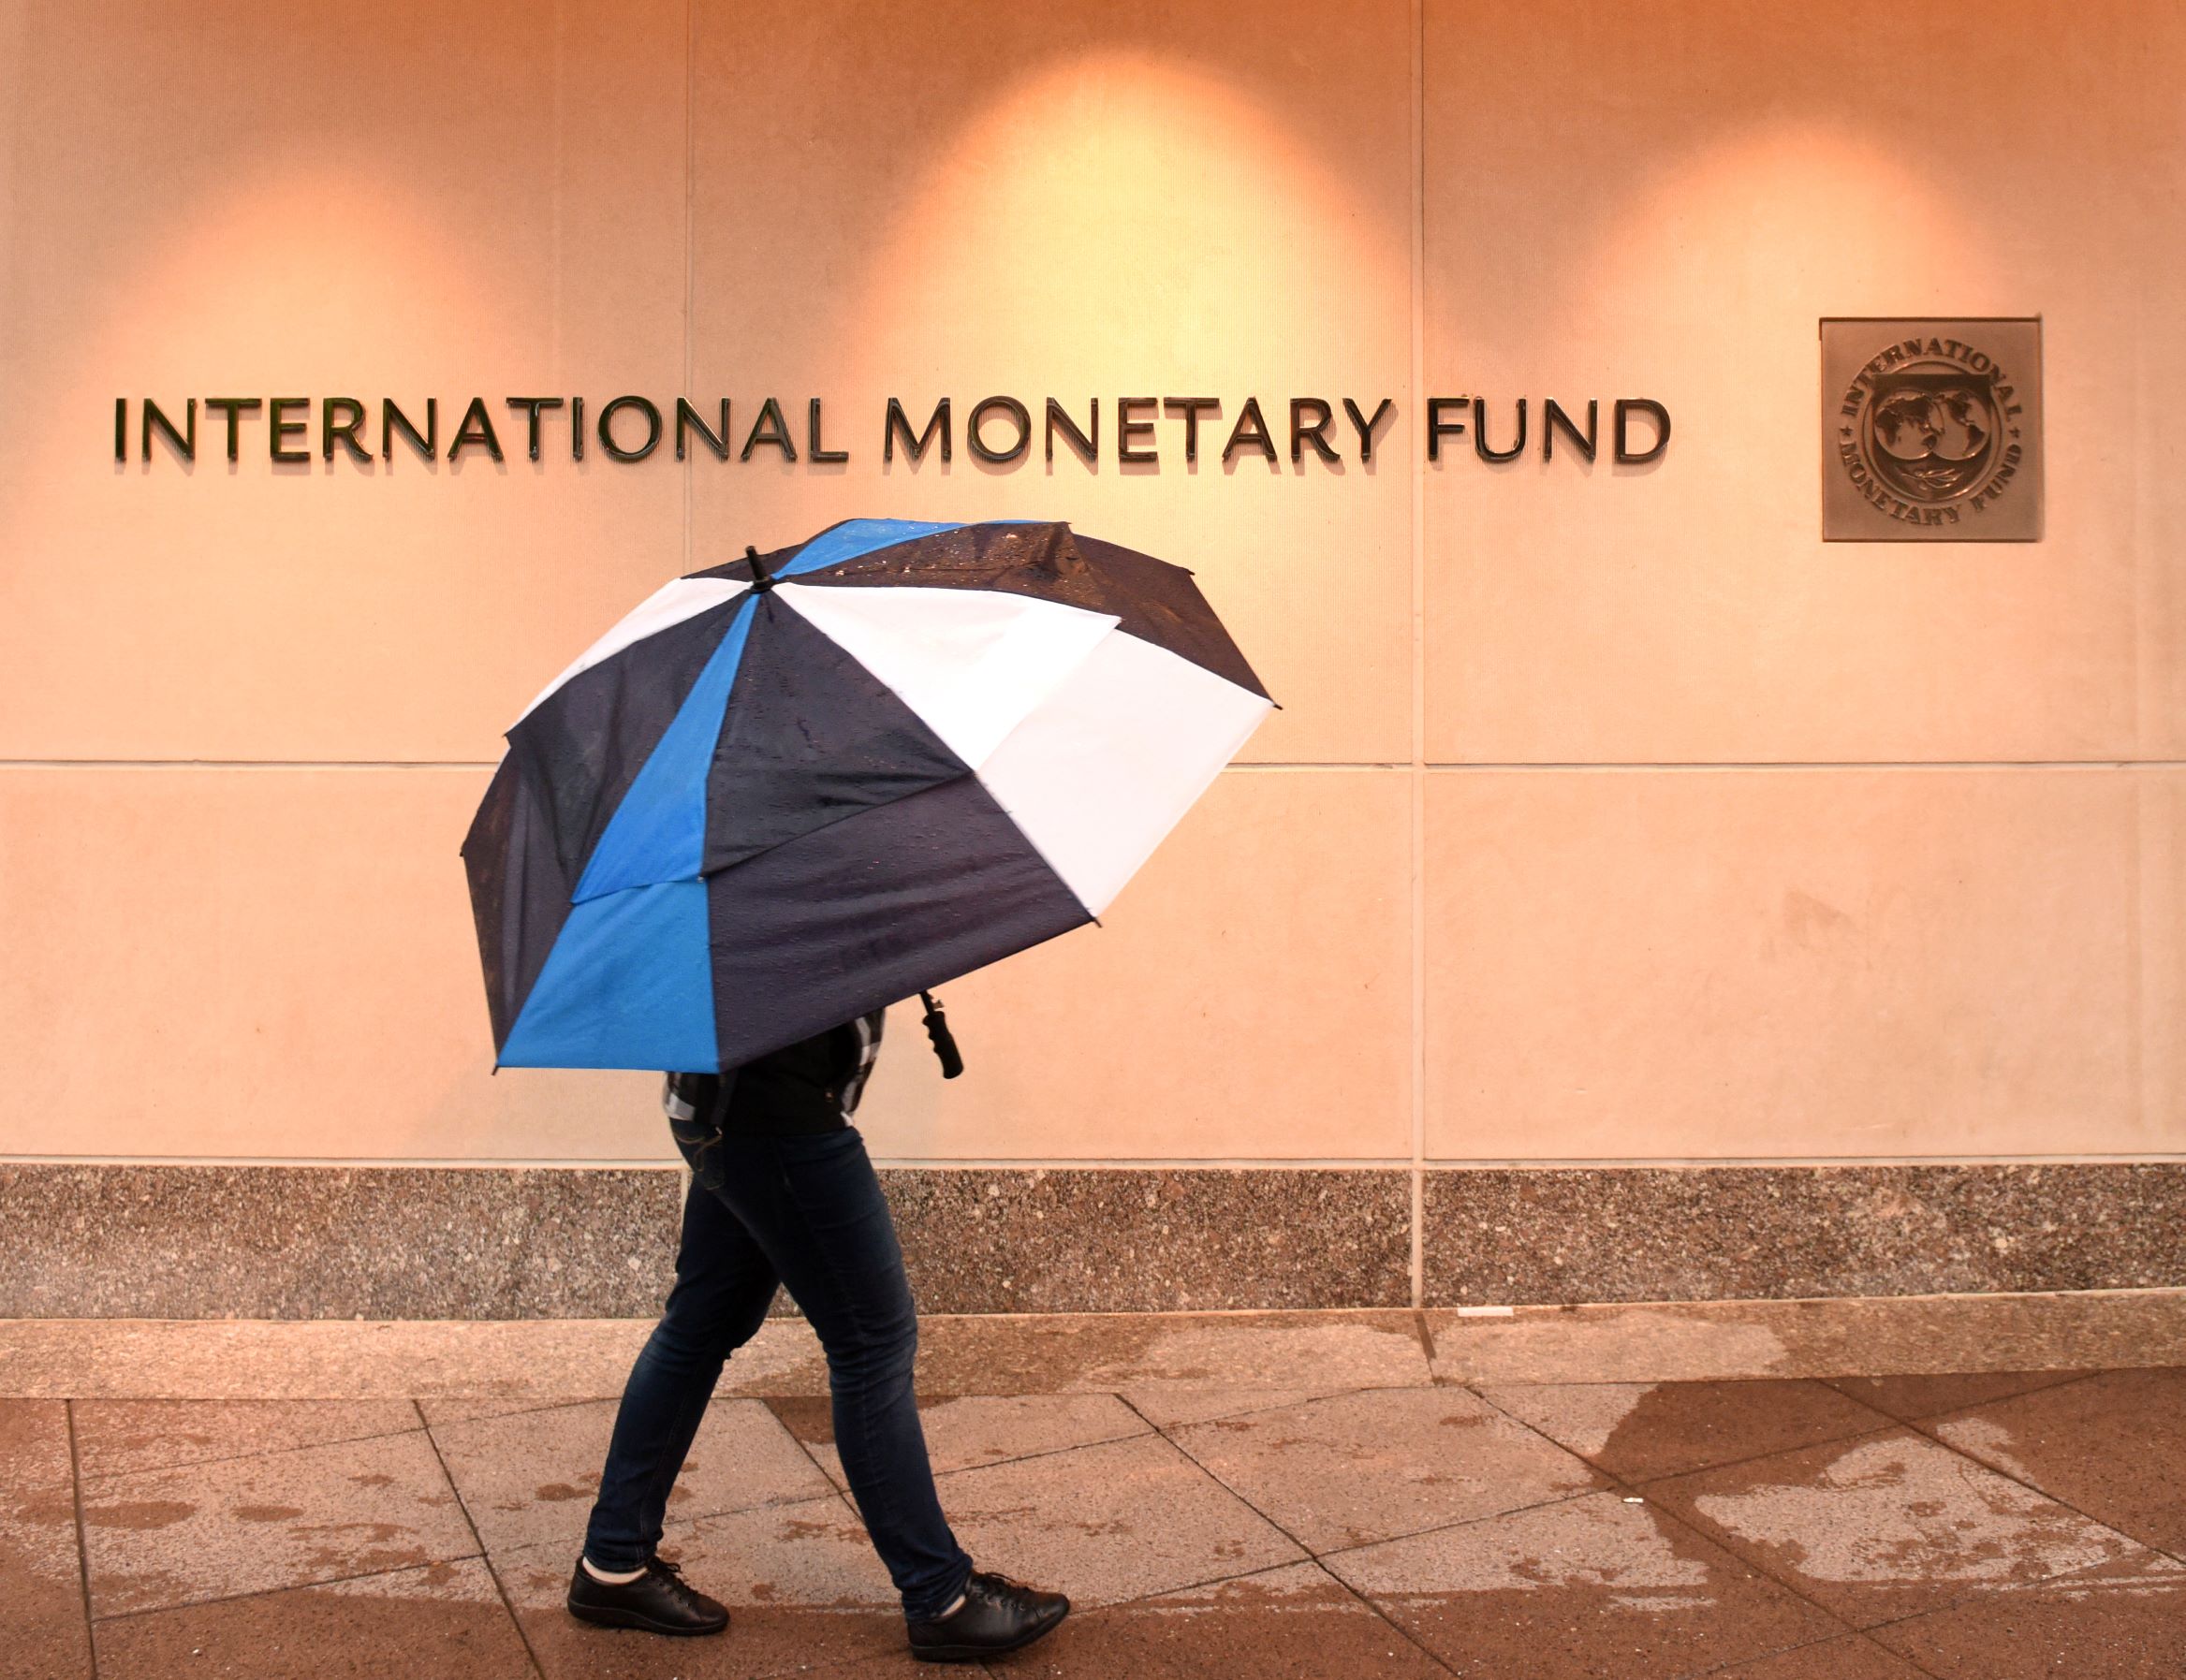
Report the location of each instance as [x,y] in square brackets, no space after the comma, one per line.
[1612,815]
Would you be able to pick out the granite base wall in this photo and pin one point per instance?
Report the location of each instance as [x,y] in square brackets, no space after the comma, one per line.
[173,1241]
[1518,1237]
[122,1241]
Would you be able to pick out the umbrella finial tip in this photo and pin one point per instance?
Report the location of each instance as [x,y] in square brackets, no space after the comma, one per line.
[761,582]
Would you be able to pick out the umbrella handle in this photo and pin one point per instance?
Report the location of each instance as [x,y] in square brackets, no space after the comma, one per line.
[944,1043]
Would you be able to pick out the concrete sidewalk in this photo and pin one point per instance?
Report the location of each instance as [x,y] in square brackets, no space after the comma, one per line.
[1985,1488]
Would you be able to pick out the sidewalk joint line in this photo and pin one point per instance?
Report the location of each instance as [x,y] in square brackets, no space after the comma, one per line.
[2064,1378]
[1761,1565]
[492,1575]
[82,1549]
[1664,1514]
[1988,1593]
[837,1485]
[2035,1487]
[1804,1645]
[524,1410]
[107,1478]
[1372,1609]
[293,1586]
[1082,1446]
[1623,1486]
[1888,1426]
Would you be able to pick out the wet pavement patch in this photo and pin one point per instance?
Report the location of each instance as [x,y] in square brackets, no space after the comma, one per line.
[1591,1587]
[1889,1525]
[2113,1447]
[2127,1624]
[1911,1398]
[1637,1431]
[1853,1658]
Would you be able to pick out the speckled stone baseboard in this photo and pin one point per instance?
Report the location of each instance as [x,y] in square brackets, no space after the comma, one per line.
[1531,1235]
[258,1242]
[125,1241]
[1118,1239]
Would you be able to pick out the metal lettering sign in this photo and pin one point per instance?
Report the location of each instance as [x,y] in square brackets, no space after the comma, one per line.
[363,434]
[1931,431]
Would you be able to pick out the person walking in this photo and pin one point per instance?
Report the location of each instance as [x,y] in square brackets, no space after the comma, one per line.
[782,1192]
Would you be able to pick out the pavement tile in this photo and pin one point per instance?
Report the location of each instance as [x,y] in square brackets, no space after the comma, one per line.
[443,1622]
[1641,1430]
[963,1431]
[464,1409]
[1057,1352]
[1168,1405]
[42,1577]
[1294,1623]
[162,1538]
[1911,1398]
[1594,1586]
[2117,1624]
[1856,1656]
[803,1587]
[1369,1465]
[2113,1447]
[116,1437]
[1889,1525]
[529,1476]
[1104,1524]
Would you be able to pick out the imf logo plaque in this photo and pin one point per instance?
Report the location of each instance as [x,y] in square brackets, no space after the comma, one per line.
[1931,431]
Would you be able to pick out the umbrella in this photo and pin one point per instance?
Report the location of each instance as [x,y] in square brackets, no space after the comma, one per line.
[795,788]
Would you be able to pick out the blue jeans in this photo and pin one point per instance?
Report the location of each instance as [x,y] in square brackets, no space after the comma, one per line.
[807,1213]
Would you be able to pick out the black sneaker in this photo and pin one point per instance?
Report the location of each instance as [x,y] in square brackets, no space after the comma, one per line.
[659,1602]
[998,1615]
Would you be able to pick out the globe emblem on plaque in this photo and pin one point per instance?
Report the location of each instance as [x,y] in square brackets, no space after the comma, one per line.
[1930,430]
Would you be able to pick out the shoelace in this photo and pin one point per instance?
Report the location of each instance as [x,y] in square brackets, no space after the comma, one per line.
[672,1573]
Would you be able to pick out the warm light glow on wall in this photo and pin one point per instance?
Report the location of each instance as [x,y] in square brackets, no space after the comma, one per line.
[1081,193]
[1774,210]
[302,268]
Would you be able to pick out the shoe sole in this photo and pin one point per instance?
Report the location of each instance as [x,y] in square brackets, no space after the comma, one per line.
[626,1618]
[973,1653]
